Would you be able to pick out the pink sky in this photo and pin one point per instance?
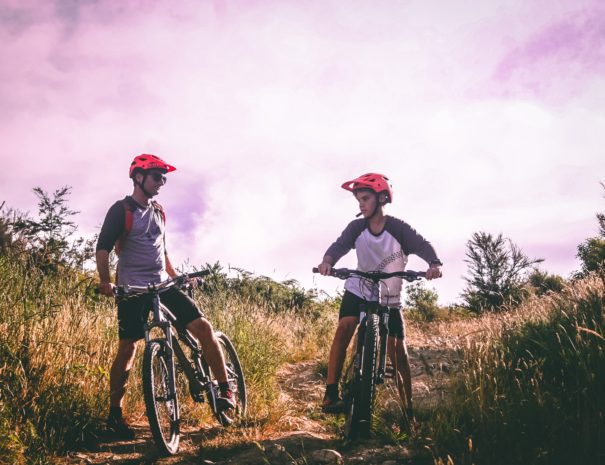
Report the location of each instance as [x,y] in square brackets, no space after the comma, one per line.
[487,116]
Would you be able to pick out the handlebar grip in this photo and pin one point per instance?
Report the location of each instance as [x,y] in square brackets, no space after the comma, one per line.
[315,269]
[198,274]
[118,291]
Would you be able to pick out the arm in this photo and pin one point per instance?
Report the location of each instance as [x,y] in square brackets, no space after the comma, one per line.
[414,243]
[110,231]
[106,287]
[169,268]
[341,246]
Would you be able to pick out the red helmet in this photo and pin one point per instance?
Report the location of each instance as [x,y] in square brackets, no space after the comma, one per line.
[146,162]
[374,181]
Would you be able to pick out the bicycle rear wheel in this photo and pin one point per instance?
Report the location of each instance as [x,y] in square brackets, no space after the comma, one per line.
[237,383]
[364,404]
[161,406]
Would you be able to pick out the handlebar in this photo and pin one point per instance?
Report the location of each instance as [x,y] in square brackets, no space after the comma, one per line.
[180,280]
[375,276]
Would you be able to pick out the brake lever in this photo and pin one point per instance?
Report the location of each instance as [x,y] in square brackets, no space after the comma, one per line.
[340,274]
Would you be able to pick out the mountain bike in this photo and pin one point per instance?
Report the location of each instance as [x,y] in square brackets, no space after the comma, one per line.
[164,353]
[368,367]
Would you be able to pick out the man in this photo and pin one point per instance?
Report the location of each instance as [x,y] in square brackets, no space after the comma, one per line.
[136,227]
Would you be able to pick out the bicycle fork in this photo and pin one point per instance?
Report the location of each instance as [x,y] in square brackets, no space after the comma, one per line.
[160,322]
[384,332]
[168,355]
[363,320]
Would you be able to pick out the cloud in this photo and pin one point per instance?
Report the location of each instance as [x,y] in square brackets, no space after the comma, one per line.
[557,60]
[267,107]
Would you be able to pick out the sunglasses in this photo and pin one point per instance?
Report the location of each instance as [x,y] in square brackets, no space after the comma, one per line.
[157,177]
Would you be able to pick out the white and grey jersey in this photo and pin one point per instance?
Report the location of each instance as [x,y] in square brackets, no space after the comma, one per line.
[387,251]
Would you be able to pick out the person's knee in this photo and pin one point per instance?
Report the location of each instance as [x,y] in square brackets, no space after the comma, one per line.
[126,352]
[127,348]
[346,327]
[202,328]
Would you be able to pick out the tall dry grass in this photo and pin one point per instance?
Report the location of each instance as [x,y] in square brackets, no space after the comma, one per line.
[57,342]
[54,357]
[532,386]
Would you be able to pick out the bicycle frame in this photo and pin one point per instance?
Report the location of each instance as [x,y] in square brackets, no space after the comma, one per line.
[383,326]
[160,367]
[382,311]
[361,385]
[194,370]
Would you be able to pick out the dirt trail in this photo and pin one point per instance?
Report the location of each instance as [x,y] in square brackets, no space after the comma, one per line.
[301,427]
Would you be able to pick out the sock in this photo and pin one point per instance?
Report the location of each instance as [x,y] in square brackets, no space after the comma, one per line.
[332,391]
[115,412]
[223,387]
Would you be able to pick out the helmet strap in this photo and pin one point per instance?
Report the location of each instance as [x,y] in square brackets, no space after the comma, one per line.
[141,185]
[377,207]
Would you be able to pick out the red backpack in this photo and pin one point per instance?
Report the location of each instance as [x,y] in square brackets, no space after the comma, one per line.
[128,215]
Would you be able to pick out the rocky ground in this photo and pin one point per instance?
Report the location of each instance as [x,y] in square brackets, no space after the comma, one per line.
[303,435]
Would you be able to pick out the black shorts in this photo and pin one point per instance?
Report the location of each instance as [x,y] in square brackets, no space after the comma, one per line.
[351,306]
[134,312]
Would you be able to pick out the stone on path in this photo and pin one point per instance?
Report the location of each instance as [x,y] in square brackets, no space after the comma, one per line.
[327,456]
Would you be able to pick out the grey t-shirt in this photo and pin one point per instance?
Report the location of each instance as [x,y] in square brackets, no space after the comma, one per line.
[142,258]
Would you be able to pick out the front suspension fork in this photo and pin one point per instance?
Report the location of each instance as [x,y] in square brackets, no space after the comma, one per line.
[384,332]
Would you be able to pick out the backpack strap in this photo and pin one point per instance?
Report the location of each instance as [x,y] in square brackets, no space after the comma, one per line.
[128,218]
[158,208]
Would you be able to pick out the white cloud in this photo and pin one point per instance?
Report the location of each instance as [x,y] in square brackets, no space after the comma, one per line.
[266,110]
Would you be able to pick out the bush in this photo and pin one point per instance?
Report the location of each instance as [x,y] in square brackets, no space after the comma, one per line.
[542,282]
[535,394]
[421,302]
[497,273]
[591,252]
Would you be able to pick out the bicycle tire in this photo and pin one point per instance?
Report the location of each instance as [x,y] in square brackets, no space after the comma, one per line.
[367,385]
[162,412]
[350,390]
[237,382]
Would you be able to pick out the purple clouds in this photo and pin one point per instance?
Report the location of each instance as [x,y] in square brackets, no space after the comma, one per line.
[558,60]
[267,107]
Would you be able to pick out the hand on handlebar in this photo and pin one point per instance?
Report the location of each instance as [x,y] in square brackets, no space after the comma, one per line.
[433,272]
[107,289]
[324,268]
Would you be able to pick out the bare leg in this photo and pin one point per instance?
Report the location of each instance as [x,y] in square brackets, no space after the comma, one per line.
[202,330]
[344,333]
[398,353]
[120,370]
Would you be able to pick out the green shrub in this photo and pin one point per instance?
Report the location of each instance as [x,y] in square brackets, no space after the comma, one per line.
[535,394]
[421,303]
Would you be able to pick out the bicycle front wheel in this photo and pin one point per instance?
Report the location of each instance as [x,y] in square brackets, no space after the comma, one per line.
[237,383]
[350,392]
[364,404]
[161,401]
